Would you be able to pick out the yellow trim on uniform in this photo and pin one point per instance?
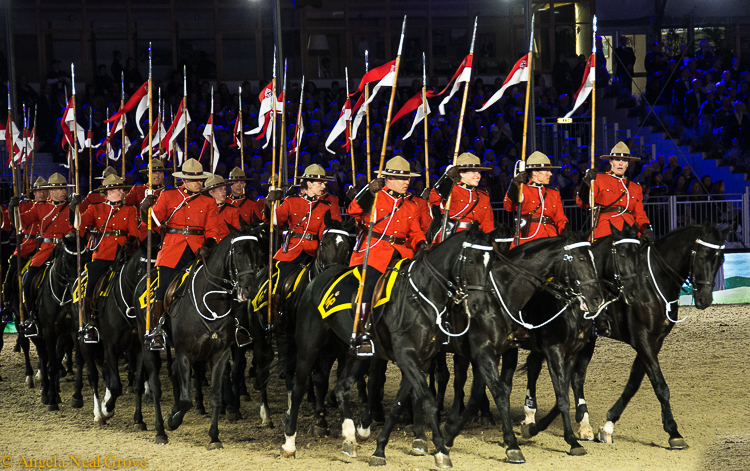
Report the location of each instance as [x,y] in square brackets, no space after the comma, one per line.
[259,297]
[151,291]
[327,305]
[296,282]
[391,281]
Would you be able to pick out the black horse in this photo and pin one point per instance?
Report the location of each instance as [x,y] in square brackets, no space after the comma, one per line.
[22,341]
[409,328]
[114,317]
[58,321]
[693,253]
[564,330]
[200,326]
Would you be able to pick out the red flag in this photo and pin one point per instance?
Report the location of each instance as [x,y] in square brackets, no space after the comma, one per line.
[375,75]
[411,105]
[519,73]
[134,100]
[463,74]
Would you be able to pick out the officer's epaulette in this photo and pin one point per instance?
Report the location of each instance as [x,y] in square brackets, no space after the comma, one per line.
[483,192]
[170,189]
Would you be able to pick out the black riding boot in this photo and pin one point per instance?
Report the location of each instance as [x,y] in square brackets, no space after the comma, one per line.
[30,326]
[520,335]
[362,344]
[88,333]
[156,338]
[602,325]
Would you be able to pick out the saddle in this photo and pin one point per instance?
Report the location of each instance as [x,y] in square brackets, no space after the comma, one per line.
[99,288]
[176,287]
[36,284]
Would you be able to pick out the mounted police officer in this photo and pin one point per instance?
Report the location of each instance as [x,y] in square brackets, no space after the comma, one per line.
[216,188]
[467,203]
[396,234]
[245,206]
[136,194]
[191,225]
[116,225]
[304,216]
[52,219]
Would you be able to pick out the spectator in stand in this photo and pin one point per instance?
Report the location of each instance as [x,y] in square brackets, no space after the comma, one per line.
[705,55]
[561,74]
[706,182]
[655,61]
[578,71]
[133,78]
[102,81]
[678,186]
[624,61]
[693,101]
[116,68]
[679,89]
[58,79]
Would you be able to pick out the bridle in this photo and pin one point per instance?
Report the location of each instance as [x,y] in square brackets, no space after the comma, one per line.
[318,265]
[59,279]
[218,281]
[456,292]
[620,279]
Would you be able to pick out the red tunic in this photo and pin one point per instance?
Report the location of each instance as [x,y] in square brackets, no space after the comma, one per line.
[196,211]
[94,197]
[302,215]
[539,201]
[28,246]
[53,221]
[335,208]
[226,214]
[105,217]
[608,188]
[465,208]
[5,225]
[246,208]
[135,197]
[423,212]
[403,222]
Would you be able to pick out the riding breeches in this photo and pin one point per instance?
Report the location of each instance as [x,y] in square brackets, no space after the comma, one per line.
[166,273]
[28,279]
[93,271]
[287,268]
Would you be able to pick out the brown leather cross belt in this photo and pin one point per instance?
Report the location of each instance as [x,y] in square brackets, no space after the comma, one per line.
[615,209]
[541,220]
[52,240]
[304,236]
[185,231]
[115,233]
[391,239]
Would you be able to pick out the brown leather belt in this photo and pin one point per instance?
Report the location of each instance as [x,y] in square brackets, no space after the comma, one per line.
[541,220]
[391,239]
[304,236]
[615,209]
[185,231]
[53,240]
[115,233]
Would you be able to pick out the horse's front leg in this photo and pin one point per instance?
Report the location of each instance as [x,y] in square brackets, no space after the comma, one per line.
[181,376]
[354,369]
[577,380]
[220,360]
[76,402]
[534,364]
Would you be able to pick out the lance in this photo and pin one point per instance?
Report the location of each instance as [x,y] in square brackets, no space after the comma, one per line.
[271,183]
[593,133]
[184,118]
[426,125]
[24,149]
[212,129]
[170,150]
[367,116]
[109,137]
[33,145]
[77,221]
[298,139]
[373,212]
[240,127]
[522,164]
[349,141]
[158,128]
[70,151]
[91,151]
[446,213]
[283,153]
[122,120]
[16,211]
[149,191]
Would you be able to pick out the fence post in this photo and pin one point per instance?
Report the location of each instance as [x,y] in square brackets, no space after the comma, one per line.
[672,213]
[746,217]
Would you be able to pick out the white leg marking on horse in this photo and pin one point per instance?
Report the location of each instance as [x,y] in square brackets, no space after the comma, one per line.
[288,402]
[107,397]
[364,432]
[609,427]
[585,431]
[146,388]
[290,446]
[38,376]
[530,415]
[97,409]
[348,430]
[581,401]
[265,415]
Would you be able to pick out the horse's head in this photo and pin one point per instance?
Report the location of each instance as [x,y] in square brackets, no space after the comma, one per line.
[623,265]
[502,237]
[245,255]
[437,221]
[706,259]
[65,257]
[335,246]
[577,271]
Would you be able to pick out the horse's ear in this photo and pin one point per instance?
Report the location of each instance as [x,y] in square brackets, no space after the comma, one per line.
[232,229]
[436,213]
[706,225]
[614,230]
[349,225]
[243,224]
[327,219]
[724,233]
[256,221]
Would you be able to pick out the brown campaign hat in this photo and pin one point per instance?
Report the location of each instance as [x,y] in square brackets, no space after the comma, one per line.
[398,167]
[107,172]
[158,166]
[237,175]
[214,181]
[620,151]
[315,172]
[56,180]
[468,161]
[539,161]
[113,182]
[40,183]
[192,170]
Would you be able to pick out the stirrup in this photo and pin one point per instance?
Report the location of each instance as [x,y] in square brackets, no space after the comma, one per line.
[30,329]
[88,334]
[241,335]
[156,339]
[362,346]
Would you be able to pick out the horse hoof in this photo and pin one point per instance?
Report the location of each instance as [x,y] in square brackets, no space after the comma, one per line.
[377,460]
[200,411]
[45,400]
[419,447]
[38,376]
[53,407]
[487,421]
[515,456]
[319,432]
[214,446]
[677,443]
[29,383]
[587,435]
[443,461]
[139,427]
[526,431]
[234,416]
[100,421]
[577,451]
[604,437]
[349,449]
[245,398]
[76,403]
[161,440]
[288,454]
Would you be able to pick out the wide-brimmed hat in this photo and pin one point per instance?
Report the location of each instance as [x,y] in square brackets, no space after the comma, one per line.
[56,180]
[539,161]
[398,167]
[192,170]
[107,172]
[214,181]
[237,175]
[40,184]
[620,151]
[158,166]
[471,162]
[315,173]
[113,182]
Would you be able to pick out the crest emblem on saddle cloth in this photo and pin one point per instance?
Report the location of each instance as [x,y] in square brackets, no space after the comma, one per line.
[84,282]
[150,291]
